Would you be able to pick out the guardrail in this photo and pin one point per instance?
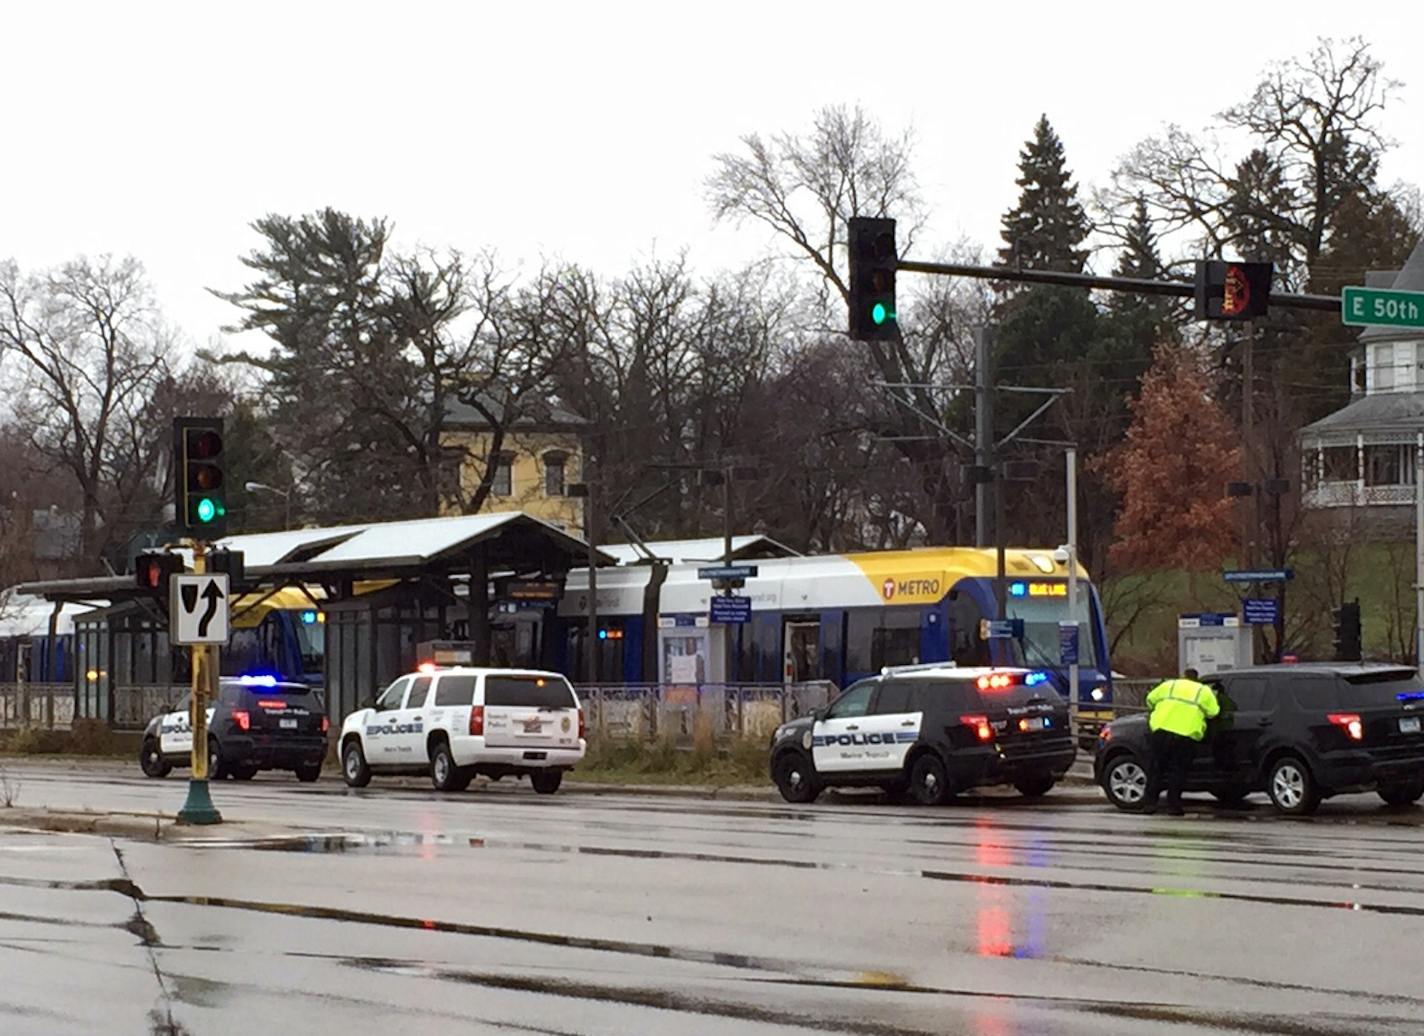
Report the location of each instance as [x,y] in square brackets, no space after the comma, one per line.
[49,706]
[647,712]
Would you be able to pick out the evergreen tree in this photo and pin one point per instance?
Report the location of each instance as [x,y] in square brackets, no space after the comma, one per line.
[1046,229]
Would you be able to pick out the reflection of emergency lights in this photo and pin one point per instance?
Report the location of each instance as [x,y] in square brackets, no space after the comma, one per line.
[310,618]
[610,634]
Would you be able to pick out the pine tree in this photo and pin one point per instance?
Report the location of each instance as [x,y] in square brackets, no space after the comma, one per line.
[1046,228]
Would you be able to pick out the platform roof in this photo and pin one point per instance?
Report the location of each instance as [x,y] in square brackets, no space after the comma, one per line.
[708,549]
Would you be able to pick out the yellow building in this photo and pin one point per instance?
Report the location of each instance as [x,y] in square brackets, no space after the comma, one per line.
[542,454]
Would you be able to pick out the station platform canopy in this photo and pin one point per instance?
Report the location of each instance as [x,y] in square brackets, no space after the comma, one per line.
[707,550]
[510,541]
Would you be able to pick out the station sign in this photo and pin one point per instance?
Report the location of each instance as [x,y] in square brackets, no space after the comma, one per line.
[1260,611]
[731,610]
[1259,575]
[1068,643]
[727,572]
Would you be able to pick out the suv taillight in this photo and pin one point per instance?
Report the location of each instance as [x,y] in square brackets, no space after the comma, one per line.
[242,719]
[980,726]
[325,724]
[1350,723]
[477,721]
[583,726]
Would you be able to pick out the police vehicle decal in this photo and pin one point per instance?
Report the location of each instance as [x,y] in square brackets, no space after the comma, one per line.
[888,738]
[417,727]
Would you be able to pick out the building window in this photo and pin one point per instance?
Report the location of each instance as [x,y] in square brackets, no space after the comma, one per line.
[1340,464]
[503,484]
[1384,465]
[554,473]
[1384,368]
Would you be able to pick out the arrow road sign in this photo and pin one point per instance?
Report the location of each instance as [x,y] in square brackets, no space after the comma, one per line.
[198,609]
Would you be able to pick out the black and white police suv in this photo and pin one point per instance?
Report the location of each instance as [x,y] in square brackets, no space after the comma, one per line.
[258,722]
[932,729]
[459,723]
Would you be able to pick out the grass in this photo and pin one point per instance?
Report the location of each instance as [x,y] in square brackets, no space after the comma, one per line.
[1379,574]
[740,761]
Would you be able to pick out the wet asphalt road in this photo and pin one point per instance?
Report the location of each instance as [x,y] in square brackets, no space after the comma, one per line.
[398,911]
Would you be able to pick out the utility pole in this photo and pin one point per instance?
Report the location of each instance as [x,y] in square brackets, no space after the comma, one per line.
[1072,476]
[1419,549]
[588,516]
[983,435]
[729,660]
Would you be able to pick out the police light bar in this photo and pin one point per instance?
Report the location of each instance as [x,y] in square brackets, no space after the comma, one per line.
[998,681]
[257,680]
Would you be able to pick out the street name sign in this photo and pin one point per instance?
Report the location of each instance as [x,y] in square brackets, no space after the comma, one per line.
[731,609]
[1259,575]
[1362,306]
[198,609]
[727,572]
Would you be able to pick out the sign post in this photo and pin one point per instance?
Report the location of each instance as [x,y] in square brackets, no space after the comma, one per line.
[198,615]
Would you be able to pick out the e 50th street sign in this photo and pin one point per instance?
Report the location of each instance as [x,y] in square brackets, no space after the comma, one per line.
[1362,306]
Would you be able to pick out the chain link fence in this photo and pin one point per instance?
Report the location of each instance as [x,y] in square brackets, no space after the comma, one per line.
[650,712]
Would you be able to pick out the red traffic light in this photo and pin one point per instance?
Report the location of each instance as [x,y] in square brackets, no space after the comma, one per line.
[1232,290]
[152,571]
[203,443]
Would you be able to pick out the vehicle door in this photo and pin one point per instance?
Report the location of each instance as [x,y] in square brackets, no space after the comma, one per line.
[380,732]
[893,725]
[406,746]
[834,747]
[1246,718]
[175,729]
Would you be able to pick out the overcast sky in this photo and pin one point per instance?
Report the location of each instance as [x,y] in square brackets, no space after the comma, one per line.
[582,130]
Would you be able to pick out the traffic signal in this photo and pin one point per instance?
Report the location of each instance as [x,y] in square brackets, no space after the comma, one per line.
[200,507]
[1348,647]
[153,570]
[231,563]
[871,248]
[1232,291]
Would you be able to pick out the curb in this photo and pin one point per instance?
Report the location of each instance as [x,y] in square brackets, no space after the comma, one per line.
[148,827]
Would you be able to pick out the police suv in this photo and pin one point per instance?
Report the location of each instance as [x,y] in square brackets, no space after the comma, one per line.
[258,722]
[458,723]
[932,730]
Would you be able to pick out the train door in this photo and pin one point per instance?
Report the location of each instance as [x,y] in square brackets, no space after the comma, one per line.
[801,651]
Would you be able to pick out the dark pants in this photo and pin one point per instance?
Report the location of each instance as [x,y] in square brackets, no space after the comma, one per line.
[1172,757]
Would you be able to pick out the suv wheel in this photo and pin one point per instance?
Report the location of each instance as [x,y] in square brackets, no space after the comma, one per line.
[546,782]
[216,770]
[795,778]
[444,774]
[1035,787]
[308,772]
[353,765]
[1402,794]
[1291,787]
[929,782]
[1125,781]
[244,773]
[152,761]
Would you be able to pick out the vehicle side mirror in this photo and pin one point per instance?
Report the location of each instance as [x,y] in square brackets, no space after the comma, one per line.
[820,714]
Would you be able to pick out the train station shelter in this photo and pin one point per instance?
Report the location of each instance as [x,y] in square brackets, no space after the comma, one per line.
[354,601]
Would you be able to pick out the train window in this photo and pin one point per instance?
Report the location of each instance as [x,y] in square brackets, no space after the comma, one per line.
[894,647]
[966,648]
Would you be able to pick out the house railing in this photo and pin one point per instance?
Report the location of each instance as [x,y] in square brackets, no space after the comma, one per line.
[1353,494]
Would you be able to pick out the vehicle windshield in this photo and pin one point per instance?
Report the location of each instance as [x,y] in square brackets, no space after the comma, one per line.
[1041,616]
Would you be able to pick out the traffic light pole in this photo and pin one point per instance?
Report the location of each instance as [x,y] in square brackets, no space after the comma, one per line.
[198,808]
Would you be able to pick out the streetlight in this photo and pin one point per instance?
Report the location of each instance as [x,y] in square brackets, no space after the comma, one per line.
[285,494]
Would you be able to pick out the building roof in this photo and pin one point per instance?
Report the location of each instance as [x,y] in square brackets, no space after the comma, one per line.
[535,413]
[1376,412]
[681,552]
[375,550]
[1410,278]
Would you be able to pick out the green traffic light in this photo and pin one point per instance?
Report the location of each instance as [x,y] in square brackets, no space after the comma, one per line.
[207,509]
[879,314]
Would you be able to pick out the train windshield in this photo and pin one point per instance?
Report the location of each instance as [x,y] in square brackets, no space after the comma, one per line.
[1041,615]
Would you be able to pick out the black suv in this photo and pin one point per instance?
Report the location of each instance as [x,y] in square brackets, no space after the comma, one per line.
[257,723]
[1300,733]
[933,730]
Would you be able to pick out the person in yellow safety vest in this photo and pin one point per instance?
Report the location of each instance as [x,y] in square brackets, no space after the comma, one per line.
[1180,709]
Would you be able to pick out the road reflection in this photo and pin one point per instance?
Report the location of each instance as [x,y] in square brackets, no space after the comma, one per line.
[1010,921]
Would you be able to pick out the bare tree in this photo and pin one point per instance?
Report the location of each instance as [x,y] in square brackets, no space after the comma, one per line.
[92,349]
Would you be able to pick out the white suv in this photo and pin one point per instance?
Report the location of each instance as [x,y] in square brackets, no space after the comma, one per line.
[459,723]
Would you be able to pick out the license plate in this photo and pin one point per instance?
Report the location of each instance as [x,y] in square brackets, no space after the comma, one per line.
[1409,725]
[1031,723]
[287,724]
